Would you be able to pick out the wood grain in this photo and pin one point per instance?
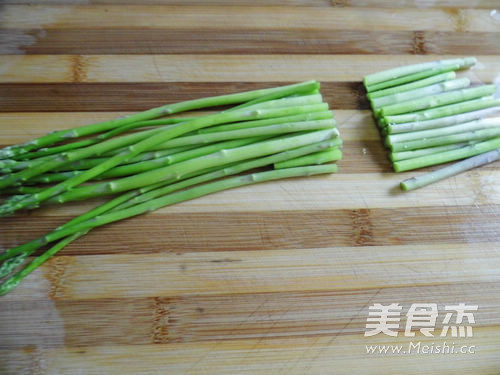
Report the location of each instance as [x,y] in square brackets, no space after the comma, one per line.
[305,269]
[254,356]
[248,17]
[476,4]
[255,41]
[212,68]
[253,231]
[117,96]
[290,314]
[269,279]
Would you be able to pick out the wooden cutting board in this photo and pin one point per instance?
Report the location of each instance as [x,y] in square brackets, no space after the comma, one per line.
[275,278]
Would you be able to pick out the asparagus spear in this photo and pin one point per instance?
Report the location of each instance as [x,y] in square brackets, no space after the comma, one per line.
[149,192]
[422,92]
[412,78]
[22,190]
[448,130]
[177,171]
[433,101]
[159,137]
[17,254]
[402,71]
[441,121]
[233,169]
[115,146]
[447,110]
[41,165]
[92,162]
[101,137]
[451,170]
[29,247]
[130,169]
[322,115]
[192,193]
[315,114]
[412,85]
[168,109]
[474,135]
[321,157]
[446,156]
[14,281]
[283,128]
[403,155]
[73,232]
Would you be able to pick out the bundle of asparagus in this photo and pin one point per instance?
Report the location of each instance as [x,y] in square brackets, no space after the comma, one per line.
[427,116]
[155,161]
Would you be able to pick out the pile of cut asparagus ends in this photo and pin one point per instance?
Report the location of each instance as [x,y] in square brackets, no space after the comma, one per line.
[151,160]
[428,116]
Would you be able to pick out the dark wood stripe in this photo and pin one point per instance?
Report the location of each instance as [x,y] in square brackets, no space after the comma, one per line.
[197,41]
[138,321]
[229,231]
[26,97]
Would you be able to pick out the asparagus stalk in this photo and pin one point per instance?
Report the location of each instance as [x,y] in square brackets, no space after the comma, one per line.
[447,110]
[286,102]
[402,71]
[195,192]
[411,78]
[92,162]
[412,85]
[75,231]
[29,247]
[22,190]
[322,115]
[149,192]
[441,121]
[445,139]
[233,169]
[101,137]
[131,169]
[168,109]
[448,130]
[316,113]
[48,163]
[283,102]
[451,170]
[419,93]
[289,127]
[11,264]
[403,155]
[179,170]
[159,137]
[446,156]
[321,157]
[19,253]
[288,92]
[438,100]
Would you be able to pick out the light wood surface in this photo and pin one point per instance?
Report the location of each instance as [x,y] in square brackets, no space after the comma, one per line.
[269,279]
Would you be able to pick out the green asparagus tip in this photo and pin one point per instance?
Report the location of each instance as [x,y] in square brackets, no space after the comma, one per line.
[8,286]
